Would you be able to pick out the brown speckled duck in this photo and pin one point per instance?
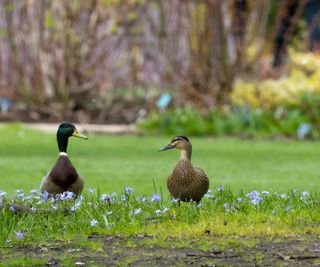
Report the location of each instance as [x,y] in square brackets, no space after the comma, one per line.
[63,176]
[186,182]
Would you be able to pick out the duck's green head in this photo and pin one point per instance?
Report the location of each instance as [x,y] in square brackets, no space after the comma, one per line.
[66,130]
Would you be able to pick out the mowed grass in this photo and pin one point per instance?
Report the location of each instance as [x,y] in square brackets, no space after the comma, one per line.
[110,163]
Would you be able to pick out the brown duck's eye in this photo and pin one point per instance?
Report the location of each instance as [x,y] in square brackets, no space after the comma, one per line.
[180,138]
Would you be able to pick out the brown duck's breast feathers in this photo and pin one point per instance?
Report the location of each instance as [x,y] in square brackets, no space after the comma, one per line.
[187,182]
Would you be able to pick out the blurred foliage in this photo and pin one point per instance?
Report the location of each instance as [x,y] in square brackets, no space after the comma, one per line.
[239,121]
[271,107]
[303,76]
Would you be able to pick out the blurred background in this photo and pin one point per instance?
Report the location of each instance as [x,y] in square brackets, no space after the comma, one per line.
[198,67]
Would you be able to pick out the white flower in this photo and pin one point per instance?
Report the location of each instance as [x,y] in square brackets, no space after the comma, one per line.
[93,222]
[91,190]
[137,211]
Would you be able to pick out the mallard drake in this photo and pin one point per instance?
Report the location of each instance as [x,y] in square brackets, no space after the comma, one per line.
[63,176]
[186,182]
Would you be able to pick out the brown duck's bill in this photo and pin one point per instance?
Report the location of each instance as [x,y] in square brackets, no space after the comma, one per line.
[168,146]
[76,133]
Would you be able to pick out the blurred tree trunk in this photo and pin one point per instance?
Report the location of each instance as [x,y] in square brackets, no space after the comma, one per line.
[288,17]
[312,16]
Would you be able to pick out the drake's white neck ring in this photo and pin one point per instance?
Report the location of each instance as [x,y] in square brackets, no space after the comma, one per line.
[63,154]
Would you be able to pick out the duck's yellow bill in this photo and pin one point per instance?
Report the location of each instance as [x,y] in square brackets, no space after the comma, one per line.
[76,133]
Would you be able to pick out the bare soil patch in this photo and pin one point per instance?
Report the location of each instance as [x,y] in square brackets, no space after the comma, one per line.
[144,251]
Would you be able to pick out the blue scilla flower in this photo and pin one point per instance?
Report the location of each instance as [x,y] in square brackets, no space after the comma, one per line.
[128,190]
[34,191]
[66,195]
[254,197]
[106,198]
[155,198]
[19,235]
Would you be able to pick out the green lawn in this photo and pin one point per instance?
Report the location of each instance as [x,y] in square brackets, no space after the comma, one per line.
[111,163]
[229,218]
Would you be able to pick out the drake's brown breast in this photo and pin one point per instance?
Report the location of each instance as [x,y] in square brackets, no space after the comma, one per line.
[63,173]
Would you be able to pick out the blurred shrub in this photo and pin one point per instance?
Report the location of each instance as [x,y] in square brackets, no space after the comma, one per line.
[289,106]
[303,76]
[291,120]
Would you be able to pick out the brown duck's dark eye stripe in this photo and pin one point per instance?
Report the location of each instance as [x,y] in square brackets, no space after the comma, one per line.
[180,137]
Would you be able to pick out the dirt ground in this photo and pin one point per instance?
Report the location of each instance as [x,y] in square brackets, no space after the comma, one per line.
[139,251]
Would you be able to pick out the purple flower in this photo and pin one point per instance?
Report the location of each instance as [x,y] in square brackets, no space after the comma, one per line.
[155,198]
[12,208]
[254,197]
[66,195]
[2,193]
[19,194]
[34,191]
[93,222]
[19,235]
[128,190]
[105,198]
[45,196]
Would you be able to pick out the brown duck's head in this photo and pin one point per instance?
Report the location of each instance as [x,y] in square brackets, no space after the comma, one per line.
[66,130]
[180,142]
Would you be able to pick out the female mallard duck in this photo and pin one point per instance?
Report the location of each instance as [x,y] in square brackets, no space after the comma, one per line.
[186,182]
[63,176]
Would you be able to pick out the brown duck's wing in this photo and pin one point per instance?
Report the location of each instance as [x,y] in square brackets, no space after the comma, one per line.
[62,177]
[203,180]
[201,175]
